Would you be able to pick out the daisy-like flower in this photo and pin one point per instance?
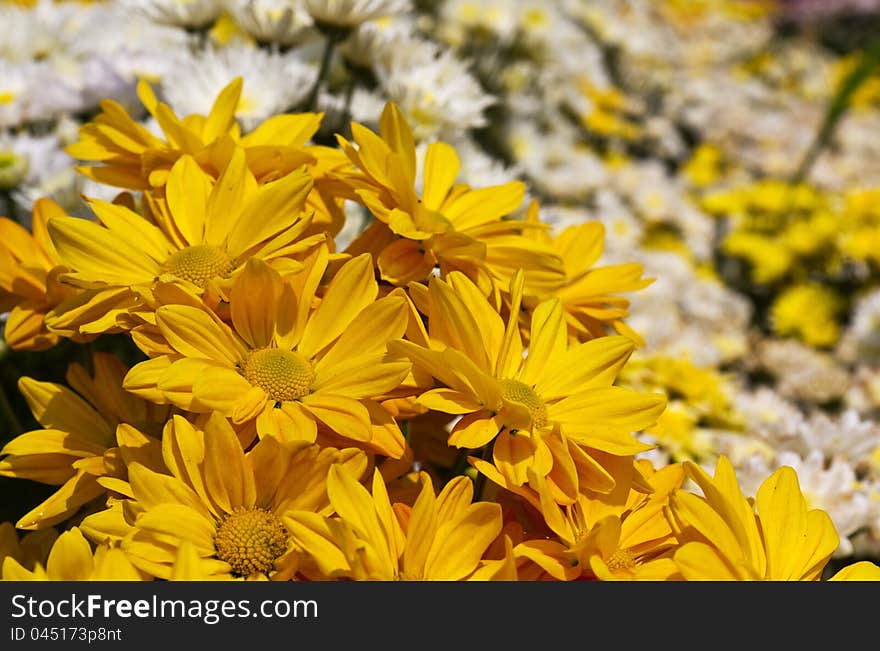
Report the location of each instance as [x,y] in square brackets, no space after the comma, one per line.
[450,226]
[434,89]
[72,559]
[621,536]
[590,294]
[553,410]
[441,537]
[345,15]
[200,235]
[191,14]
[290,371]
[285,22]
[128,155]
[230,505]
[87,437]
[726,537]
[192,86]
[29,285]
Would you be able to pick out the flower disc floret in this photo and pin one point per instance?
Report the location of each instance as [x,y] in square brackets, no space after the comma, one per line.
[250,540]
[199,264]
[283,374]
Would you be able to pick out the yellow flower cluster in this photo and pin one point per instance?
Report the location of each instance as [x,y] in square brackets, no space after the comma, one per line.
[804,247]
[437,401]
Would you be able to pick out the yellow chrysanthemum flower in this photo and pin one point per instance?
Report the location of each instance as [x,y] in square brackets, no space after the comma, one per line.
[229,504]
[29,285]
[200,235]
[280,366]
[620,536]
[549,410]
[590,295]
[809,312]
[450,226]
[72,559]
[129,156]
[442,537]
[87,438]
[726,537]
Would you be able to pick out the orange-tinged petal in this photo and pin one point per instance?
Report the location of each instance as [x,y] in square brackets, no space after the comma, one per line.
[404,261]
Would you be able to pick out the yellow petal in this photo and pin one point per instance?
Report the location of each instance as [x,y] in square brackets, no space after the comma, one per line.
[254,301]
[97,254]
[194,333]
[441,169]
[344,416]
[593,364]
[461,543]
[57,407]
[271,209]
[70,558]
[228,478]
[352,289]
[700,562]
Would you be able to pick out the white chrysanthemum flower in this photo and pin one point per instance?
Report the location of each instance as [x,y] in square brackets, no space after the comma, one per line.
[847,436]
[685,313]
[37,166]
[553,165]
[191,14]
[435,90]
[131,46]
[348,14]
[770,416]
[463,21]
[33,91]
[284,22]
[802,372]
[377,41]
[830,486]
[32,33]
[860,341]
[273,82]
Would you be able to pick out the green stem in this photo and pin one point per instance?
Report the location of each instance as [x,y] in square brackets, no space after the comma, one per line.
[332,38]
[15,427]
[837,108]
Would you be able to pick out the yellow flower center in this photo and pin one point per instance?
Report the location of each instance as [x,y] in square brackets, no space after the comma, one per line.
[621,560]
[283,374]
[199,264]
[13,169]
[519,397]
[250,540]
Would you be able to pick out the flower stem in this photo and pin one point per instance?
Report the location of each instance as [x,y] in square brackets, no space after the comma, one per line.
[332,38]
[837,108]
